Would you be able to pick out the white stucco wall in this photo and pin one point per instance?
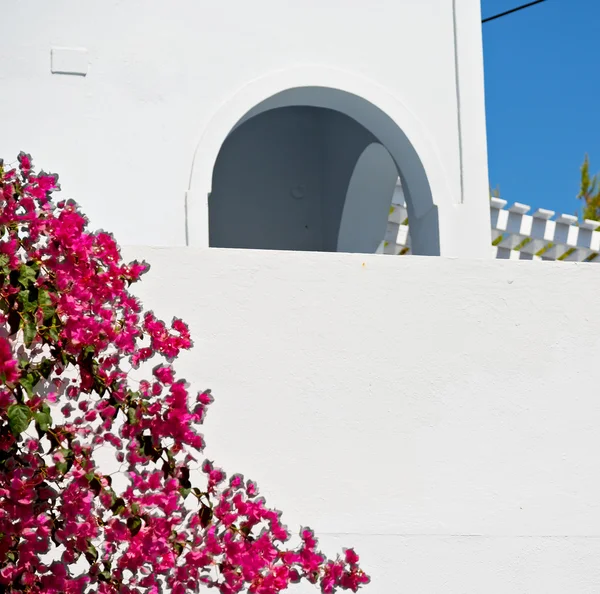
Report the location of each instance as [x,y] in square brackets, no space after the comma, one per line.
[146,85]
[439,415]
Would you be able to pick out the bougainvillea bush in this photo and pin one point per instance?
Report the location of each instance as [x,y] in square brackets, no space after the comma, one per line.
[70,334]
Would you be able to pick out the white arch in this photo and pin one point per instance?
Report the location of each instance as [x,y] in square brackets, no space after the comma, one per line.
[424,177]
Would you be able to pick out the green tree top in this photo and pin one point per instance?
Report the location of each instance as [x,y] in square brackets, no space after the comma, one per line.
[589,192]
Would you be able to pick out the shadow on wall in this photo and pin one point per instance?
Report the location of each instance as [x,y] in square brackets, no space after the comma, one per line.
[301,178]
[368,199]
[293,175]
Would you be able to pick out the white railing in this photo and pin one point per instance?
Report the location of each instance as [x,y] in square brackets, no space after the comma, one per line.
[516,235]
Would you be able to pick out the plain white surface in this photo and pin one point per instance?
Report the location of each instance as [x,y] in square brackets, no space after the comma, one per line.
[440,415]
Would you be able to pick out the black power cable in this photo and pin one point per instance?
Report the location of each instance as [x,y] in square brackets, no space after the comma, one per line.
[497,16]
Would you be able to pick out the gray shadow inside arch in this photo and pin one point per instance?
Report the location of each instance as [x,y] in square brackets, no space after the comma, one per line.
[367,204]
[282,176]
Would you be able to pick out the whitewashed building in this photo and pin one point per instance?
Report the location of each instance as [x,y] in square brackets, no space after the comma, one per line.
[440,414]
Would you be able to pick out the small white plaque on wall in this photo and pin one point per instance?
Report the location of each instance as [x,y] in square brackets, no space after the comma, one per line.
[69,60]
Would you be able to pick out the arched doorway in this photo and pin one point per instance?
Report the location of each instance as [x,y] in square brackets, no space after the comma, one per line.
[304,179]
[280,176]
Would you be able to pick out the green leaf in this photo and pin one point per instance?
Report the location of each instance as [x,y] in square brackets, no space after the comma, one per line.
[105,575]
[54,333]
[131,416]
[27,300]
[149,450]
[205,514]
[168,469]
[178,548]
[184,478]
[45,369]
[134,523]
[64,467]
[43,421]
[14,321]
[29,331]
[46,305]
[29,381]
[27,275]
[95,486]
[185,486]
[91,554]
[19,417]
[118,506]
[113,495]
[13,277]
[99,386]
[88,352]
[4,260]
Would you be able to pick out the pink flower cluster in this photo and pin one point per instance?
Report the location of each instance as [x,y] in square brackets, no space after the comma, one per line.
[9,372]
[64,297]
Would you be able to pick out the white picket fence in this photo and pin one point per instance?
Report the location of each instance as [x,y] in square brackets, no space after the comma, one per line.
[516,235]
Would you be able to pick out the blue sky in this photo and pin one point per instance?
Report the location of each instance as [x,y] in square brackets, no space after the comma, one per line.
[542,71]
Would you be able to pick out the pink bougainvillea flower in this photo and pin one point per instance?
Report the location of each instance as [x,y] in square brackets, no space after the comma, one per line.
[9,368]
[65,292]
